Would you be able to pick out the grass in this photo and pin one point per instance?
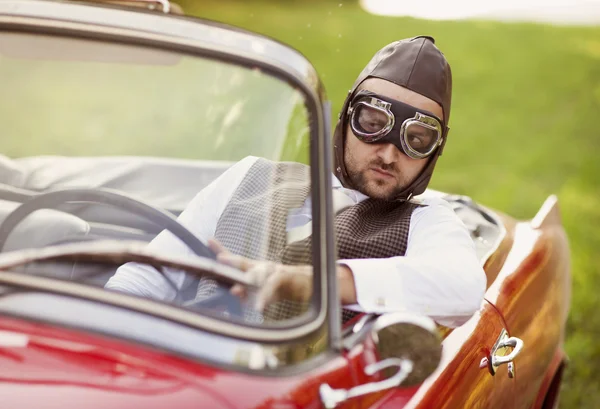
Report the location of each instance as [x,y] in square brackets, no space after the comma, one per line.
[523,124]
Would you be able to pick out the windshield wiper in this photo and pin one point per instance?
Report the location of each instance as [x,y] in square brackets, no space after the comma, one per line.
[120,252]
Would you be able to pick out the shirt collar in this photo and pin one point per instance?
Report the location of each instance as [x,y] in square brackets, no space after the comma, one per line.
[336,184]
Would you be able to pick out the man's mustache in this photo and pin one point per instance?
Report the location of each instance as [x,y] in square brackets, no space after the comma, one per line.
[388,167]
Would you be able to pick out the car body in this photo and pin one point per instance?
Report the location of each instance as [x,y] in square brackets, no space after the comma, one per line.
[65,342]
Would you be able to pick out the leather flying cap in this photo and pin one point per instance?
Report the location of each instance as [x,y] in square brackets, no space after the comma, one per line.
[413,63]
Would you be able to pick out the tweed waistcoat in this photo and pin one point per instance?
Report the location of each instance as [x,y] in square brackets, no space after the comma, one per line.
[253,223]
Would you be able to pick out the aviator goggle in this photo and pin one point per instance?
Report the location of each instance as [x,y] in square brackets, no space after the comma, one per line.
[374,118]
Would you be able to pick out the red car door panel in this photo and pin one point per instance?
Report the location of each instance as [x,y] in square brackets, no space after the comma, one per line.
[532,293]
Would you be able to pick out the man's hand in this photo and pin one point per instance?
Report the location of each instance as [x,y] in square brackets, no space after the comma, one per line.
[346,287]
[279,281]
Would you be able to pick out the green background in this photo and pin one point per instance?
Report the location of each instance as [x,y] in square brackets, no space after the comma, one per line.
[525,106]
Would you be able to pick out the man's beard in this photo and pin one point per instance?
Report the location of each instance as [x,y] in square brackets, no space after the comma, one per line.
[361,183]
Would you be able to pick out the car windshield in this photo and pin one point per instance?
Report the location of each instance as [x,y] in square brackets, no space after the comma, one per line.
[224,147]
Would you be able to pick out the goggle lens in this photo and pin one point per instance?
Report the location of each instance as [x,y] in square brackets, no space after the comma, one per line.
[421,139]
[369,120]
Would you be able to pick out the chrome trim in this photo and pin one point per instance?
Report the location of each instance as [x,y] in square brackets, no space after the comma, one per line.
[322,208]
[214,35]
[166,6]
[426,122]
[500,238]
[333,397]
[150,4]
[514,342]
[429,122]
[355,334]
[360,324]
[378,105]
[504,341]
[549,205]
[511,370]
[392,318]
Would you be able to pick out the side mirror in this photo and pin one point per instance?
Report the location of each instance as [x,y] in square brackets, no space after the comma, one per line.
[409,350]
[410,337]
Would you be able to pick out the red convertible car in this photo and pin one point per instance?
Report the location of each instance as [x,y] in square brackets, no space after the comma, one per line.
[114,118]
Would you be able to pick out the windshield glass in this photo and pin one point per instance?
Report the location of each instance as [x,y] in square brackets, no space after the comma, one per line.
[223,147]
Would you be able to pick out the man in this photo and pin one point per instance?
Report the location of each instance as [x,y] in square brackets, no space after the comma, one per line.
[394,253]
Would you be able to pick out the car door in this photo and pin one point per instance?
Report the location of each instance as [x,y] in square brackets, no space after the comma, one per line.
[532,293]
[463,378]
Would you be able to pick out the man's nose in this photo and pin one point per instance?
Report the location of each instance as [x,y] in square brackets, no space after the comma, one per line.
[388,153]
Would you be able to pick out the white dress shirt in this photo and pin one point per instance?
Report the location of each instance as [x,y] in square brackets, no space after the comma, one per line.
[439,276]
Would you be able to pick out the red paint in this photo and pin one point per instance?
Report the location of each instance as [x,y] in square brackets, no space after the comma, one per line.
[73,369]
[529,296]
[534,300]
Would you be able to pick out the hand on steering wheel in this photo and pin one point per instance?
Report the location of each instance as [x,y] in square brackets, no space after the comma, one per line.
[276,281]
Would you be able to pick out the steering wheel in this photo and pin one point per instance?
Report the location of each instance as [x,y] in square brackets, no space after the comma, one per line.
[161,218]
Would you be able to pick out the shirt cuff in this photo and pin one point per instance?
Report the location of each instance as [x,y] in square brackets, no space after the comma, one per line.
[144,281]
[372,297]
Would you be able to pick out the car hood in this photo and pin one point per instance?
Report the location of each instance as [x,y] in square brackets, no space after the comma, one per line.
[42,366]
